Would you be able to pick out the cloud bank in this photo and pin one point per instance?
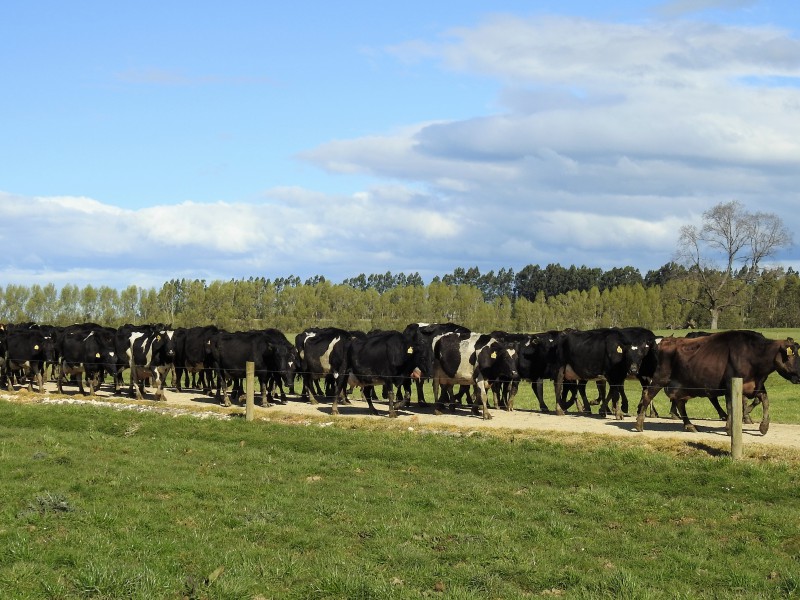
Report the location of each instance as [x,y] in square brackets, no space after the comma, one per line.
[605,139]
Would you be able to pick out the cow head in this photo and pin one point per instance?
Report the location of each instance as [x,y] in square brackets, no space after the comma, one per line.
[787,363]
[419,354]
[500,360]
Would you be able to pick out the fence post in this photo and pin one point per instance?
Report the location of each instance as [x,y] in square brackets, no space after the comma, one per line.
[736,418]
[250,376]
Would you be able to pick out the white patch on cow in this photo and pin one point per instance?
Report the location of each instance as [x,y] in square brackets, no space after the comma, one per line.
[325,359]
[634,347]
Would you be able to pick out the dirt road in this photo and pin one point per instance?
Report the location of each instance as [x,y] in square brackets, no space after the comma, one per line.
[709,432]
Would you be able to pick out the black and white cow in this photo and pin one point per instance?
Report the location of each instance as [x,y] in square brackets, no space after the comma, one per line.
[151,355]
[388,358]
[323,355]
[430,333]
[475,360]
[28,351]
[85,351]
[605,353]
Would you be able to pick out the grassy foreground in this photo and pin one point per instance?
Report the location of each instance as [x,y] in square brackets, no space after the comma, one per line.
[101,503]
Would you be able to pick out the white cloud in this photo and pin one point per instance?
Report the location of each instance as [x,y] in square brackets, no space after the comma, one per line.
[608,138]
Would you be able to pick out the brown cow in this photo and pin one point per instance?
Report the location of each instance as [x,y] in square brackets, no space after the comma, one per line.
[704,366]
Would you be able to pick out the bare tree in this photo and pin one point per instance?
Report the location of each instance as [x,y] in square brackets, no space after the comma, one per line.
[732,235]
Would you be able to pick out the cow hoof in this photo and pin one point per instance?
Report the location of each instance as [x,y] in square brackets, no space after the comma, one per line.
[690,428]
[764,428]
[436,411]
[487,416]
[747,420]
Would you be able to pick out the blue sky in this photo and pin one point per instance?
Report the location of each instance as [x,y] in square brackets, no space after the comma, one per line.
[147,141]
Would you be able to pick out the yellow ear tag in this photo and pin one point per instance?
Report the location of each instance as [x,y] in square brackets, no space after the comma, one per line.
[36,347]
[789,352]
[410,350]
[494,354]
[158,338]
[97,355]
[619,349]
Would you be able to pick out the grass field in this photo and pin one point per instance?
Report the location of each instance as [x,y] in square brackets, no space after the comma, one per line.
[106,504]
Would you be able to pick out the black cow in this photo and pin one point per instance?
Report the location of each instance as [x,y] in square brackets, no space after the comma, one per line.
[85,351]
[28,351]
[151,354]
[283,363]
[388,358]
[266,349]
[703,366]
[475,360]
[193,356]
[597,354]
[637,338]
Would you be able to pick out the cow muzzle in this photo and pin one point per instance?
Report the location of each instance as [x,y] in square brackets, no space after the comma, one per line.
[416,374]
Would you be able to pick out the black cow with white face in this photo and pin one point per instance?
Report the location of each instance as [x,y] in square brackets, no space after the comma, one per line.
[606,354]
[476,360]
[151,354]
[85,351]
[388,358]
[27,351]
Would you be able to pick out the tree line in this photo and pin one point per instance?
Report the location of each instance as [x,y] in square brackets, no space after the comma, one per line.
[535,299]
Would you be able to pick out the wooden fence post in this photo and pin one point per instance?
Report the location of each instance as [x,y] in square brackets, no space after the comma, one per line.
[736,418]
[250,377]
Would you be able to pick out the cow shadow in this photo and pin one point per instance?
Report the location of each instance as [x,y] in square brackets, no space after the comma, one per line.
[667,426]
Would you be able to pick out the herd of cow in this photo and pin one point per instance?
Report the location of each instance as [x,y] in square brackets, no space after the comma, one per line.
[700,365]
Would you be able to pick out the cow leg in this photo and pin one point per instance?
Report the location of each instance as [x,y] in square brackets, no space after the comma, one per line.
[723,415]
[264,396]
[764,427]
[60,379]
[309,385]
[441,393]
[585,407]
[674,413]
[680,404]
[647,397]
[558,385]
[392,410]
[747,409]
[538,390]
[480,390]
[420,393]
[601,392]
[623,400]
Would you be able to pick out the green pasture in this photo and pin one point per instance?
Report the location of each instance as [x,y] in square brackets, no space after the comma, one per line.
[107,504]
